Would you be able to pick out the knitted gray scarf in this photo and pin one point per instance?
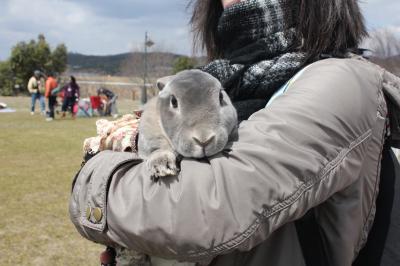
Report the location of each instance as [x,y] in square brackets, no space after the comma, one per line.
[259,44]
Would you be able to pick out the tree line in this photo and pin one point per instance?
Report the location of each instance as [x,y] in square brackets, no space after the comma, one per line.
[26,57]
[38,55]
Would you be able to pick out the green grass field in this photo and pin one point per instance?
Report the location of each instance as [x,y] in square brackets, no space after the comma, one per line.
[38,160]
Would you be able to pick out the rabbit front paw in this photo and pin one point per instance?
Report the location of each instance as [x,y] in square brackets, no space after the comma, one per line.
[162,163]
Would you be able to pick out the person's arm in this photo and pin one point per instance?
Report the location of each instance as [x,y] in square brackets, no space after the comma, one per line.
[56,85]
[290,157]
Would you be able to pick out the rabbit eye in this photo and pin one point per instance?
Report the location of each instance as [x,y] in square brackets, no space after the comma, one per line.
[174,102]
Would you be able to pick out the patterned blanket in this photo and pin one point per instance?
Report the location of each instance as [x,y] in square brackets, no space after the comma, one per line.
[117,135]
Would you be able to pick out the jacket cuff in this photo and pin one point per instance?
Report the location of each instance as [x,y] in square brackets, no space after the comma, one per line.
[88,206]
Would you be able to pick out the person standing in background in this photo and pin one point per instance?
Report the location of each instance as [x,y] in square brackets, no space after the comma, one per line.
[71,96]
[36,90]
[111,105]
[51,84]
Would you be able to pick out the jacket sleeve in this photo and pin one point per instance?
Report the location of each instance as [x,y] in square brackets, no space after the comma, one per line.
[291,156]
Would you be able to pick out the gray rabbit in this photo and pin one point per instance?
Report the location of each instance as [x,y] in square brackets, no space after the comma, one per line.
[192,117]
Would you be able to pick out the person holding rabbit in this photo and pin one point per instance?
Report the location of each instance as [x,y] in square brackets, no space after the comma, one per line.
[300,184]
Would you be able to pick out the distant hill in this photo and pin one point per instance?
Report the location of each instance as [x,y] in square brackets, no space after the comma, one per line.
[108,64]
[132,64]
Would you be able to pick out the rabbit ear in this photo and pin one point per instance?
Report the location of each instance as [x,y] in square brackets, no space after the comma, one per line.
[161,82]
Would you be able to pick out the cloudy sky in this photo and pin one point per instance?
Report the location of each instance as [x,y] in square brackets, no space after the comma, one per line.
[115,26]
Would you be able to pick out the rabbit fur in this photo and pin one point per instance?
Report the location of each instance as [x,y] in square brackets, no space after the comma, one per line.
[192,116]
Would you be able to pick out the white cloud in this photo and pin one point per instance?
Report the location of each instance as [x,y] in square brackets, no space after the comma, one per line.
[42,14]
[89,27]
[109,27]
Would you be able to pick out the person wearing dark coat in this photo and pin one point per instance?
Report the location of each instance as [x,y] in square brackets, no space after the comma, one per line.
[71,96]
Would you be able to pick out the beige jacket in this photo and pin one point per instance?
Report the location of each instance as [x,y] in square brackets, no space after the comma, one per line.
[33,85]
[316,146]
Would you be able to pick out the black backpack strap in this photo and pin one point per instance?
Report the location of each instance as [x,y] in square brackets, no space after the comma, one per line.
[310,238]
[371,253]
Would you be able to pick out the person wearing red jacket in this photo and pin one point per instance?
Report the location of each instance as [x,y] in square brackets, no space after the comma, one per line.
[51,84]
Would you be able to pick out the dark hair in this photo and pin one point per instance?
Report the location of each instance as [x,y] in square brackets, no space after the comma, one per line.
[204,22]
[73,80]
[323,26]
[330,26]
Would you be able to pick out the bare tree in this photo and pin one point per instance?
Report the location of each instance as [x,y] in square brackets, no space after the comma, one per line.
[383,43]
[159,63]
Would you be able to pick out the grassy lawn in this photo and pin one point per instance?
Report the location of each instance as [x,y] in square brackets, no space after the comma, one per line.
[38,160]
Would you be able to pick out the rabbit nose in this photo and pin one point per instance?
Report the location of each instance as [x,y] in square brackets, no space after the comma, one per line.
[203,142]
